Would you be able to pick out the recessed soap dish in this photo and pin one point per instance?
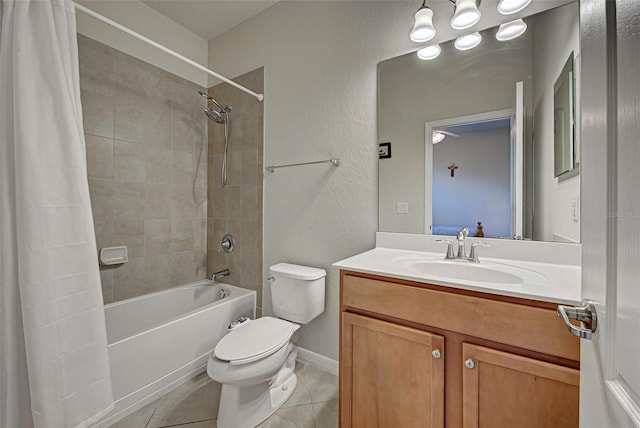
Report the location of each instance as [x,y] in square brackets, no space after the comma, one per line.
[113,255]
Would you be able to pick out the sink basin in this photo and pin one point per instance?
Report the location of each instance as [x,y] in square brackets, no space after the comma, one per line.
[463,271]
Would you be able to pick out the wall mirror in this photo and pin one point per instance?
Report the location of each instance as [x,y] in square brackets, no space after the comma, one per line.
[472,136]
[564,121]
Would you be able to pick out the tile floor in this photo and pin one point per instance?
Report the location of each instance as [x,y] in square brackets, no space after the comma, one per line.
[314,404]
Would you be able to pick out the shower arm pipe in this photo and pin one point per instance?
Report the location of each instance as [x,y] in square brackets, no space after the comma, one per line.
[272,168]
[138,36]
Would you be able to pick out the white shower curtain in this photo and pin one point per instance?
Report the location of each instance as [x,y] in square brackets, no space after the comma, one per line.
[54,367]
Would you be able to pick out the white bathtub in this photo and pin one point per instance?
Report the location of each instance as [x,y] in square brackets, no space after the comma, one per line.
[161,340]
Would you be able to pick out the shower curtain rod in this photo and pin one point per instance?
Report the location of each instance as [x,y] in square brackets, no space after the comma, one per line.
[130,32]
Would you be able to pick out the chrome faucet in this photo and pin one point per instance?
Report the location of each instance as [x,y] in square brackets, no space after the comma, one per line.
[220,274]
[462,253]
[462,235]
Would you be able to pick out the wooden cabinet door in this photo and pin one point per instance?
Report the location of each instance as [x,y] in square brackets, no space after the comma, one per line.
[500,389]
[389,376]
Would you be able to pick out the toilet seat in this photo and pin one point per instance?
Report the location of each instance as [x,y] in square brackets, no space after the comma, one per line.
[254,340]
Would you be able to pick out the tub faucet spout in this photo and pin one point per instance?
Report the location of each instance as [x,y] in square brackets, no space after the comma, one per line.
[220,274]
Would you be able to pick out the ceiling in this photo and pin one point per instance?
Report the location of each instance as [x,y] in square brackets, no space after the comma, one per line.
[209,18]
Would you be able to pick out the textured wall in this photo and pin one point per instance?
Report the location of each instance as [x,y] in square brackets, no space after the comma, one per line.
[147,164]
[237,208]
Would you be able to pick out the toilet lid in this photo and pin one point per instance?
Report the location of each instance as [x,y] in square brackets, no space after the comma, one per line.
[254,340]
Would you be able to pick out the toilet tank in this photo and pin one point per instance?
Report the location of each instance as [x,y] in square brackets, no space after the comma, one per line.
[297,292]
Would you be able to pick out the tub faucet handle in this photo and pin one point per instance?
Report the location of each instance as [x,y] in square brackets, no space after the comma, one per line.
[228,243]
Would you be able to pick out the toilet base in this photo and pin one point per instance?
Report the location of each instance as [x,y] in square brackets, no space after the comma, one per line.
[248,406]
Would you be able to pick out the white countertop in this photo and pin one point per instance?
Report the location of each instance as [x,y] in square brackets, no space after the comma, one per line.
[542,281]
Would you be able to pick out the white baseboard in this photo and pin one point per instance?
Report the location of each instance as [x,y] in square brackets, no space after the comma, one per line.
[326,364]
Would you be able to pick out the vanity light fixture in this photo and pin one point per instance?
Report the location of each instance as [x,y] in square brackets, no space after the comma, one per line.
[430,52]
[507,7]
[511,30]
[465,14]
[423,29]
[468,41]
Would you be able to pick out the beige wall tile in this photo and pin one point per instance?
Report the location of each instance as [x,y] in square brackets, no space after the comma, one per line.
[158,165]
[157,118]
[106,280]
[250,201]
[249,237]
[128,200]
[130,233]
[249,166]
[201,161]
[234,168]
[157,271]
[200,202]
[149,113]
[183,129]
[102,199]
[182,204]
[157,237]
[129,280]
[98,114]
[99,157]
[240,203]
[129,162]
[183,267]
[158,200]
[97,67]
[183,168]
[181,234]
[215,175]
[129,116]
[219,208]
[200,260]
[104,233]
[233,201]
[200,234]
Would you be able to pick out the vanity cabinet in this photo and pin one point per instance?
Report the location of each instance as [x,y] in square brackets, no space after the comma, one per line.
[421,355]
[396,372]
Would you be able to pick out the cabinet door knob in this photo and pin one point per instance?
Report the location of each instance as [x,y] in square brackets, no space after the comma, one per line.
[436,353]
[469,363]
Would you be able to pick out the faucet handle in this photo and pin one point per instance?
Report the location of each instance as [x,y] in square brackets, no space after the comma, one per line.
[473,256]
[449,254]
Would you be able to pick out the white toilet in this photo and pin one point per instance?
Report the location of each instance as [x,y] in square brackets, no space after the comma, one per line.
[255,361]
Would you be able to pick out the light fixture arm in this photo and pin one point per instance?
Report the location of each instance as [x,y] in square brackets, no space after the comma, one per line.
[453,2]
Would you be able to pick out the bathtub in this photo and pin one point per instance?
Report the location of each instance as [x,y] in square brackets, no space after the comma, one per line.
[161,340]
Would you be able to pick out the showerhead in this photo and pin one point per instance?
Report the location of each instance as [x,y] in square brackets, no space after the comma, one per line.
[216,116]
[219,116]
[210,98]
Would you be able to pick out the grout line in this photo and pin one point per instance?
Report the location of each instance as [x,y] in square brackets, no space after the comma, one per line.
[187,423]
[151,417]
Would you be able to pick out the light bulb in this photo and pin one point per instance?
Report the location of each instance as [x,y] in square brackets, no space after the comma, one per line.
[438,137]
[423,29]
[511,30]
[507,7]
[466,14]
[430,52]
[468,41]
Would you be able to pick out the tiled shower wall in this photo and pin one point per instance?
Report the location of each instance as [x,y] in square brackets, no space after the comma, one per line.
[237,208]
[146,141]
